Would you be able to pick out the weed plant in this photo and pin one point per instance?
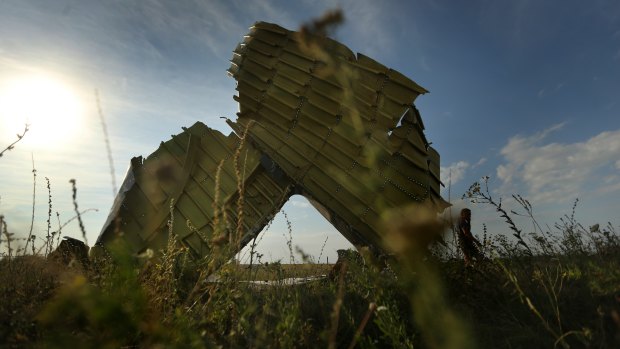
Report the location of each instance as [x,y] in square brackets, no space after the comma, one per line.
[564,294]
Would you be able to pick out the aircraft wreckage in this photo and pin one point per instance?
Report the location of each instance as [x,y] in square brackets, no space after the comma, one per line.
[314,119]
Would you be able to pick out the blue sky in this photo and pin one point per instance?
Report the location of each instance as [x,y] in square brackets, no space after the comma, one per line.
[523,91]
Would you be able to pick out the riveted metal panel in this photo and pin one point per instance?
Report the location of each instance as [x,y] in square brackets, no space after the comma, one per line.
[344,145]
[184,168]
[339,128]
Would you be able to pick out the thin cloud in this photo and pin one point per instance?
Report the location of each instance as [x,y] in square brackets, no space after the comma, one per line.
[265,11]
[558,172]
[480,162]
[300,203]
[367,23]
[454,173]
[160,26]
[544,91]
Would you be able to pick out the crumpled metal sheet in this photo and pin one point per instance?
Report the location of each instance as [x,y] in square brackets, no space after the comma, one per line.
[181,177]
[342,126]
[340,129]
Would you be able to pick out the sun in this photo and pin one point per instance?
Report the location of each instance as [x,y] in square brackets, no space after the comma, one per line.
[47,105]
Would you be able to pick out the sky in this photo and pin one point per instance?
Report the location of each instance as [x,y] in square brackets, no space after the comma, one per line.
[525,92]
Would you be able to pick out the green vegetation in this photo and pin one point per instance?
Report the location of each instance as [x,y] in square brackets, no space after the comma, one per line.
[549,289]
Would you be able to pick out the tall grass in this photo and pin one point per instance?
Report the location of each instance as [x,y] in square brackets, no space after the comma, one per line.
[564,294]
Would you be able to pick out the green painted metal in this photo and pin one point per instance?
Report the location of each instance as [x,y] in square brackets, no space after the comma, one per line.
[338,128]
[182,177]
[330,120]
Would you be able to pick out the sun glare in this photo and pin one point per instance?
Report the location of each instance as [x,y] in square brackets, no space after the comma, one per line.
[50,108]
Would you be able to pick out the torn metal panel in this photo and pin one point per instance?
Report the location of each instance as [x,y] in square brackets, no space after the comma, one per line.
[180,177]
[338,128]
[329,119]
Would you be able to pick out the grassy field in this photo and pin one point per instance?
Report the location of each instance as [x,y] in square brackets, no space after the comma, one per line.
[560,289]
